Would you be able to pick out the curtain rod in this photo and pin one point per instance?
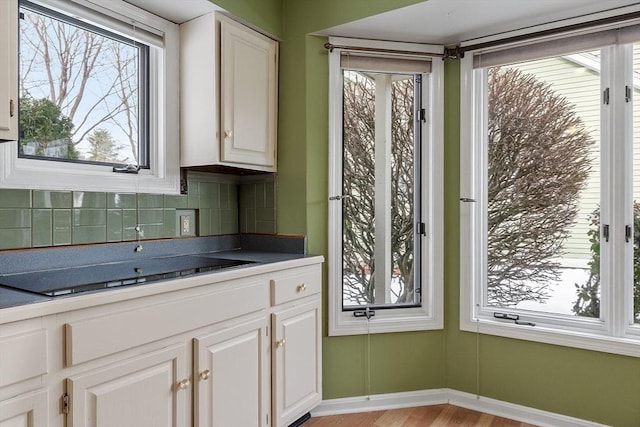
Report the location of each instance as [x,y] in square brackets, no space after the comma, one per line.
[552,31]
[330,48]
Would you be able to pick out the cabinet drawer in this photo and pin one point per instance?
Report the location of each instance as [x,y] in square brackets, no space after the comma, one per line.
[92,338]
[23,356]
[296,283]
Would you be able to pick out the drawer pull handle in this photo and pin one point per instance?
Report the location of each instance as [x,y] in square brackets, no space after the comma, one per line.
[204,375]
[280,343]
[301,288]
[184,384]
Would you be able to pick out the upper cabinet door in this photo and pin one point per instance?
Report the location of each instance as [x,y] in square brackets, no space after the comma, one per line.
[249,96]
[8,70]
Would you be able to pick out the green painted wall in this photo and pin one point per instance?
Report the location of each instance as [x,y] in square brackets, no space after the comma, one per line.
[590,385]
[596,386]
[398,362]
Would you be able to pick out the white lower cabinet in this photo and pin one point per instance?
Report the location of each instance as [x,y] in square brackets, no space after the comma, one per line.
[242,352]
[152,390]
[231,372]
[296,361]
[25,410]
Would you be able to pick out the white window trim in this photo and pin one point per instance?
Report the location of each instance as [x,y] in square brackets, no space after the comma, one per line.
[613,335]
[164,173]
[431,313]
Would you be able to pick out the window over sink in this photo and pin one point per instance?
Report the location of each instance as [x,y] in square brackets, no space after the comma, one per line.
[97,91]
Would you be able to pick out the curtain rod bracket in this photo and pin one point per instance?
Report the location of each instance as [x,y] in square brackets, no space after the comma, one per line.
[453,53]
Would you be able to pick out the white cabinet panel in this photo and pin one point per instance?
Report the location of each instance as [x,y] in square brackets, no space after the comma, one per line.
[231,370]
[27,410]
[147,391]
[228,99]
[23,356]
[248,88]
[296,361]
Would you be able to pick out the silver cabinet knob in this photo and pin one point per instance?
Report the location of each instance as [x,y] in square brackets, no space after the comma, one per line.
[280,343]
[301,287]
[228,133]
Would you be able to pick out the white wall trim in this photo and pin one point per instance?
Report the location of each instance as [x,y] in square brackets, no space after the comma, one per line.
[444,395]
[381,402]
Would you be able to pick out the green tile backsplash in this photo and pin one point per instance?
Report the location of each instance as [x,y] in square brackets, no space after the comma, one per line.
[41,218]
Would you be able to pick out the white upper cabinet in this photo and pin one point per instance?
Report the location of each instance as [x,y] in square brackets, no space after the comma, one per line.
[8,70]
[229,76]
[248,85]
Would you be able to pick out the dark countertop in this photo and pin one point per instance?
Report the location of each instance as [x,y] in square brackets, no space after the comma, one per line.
[257,249]
[11,298]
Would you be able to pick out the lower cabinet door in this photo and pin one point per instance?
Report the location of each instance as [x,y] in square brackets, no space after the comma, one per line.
[152,390]
[296,358]
[25,410]
[232,376]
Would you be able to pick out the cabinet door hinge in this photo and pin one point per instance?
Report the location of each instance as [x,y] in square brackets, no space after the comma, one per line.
[65,403]
[266,331]
[605,232]
[605,97]
[423,115]
[627,94]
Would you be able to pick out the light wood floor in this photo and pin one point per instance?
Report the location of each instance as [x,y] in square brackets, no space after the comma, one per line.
[433,416]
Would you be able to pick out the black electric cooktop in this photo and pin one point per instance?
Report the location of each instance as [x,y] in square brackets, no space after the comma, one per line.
[74,280]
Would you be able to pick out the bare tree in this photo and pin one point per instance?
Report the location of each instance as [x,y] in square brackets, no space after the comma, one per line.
[538,162]
[89,77]
[359,182]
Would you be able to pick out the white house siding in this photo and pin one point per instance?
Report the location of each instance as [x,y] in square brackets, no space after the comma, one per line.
[581,87]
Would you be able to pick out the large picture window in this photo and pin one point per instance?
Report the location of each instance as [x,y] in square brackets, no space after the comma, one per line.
[386,184]
[550,190]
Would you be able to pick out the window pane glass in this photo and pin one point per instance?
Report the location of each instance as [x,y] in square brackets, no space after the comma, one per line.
[635,96]
[543,188]
[80,91]
[379,180]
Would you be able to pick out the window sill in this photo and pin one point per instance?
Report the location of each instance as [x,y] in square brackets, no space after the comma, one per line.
[587,340]
[50,175]
[345,323]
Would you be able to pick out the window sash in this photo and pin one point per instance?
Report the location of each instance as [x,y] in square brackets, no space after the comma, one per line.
[142,76]
[164,173]
[382,189]
[430,314]
[615,331]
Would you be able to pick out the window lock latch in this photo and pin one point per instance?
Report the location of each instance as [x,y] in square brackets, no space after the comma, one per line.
[367,312]
[130,168]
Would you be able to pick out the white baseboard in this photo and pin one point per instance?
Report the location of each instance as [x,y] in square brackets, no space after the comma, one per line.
[380,402]
[440,396]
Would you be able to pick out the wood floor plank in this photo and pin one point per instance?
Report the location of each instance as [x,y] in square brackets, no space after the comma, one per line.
[423,416]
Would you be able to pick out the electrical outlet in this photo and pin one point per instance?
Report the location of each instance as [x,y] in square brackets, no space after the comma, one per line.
[185,222]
